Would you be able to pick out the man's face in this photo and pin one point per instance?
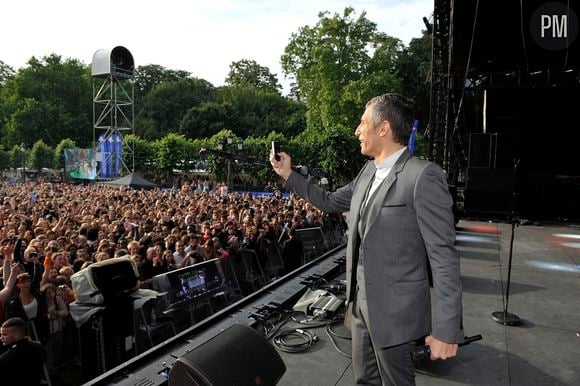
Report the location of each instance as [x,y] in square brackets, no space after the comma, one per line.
[368,134]
[9,335]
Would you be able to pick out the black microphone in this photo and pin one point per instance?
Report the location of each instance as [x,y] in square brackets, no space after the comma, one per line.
[421,353]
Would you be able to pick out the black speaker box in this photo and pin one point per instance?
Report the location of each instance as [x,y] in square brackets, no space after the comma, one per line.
[506,149]
[238,356]
[480,147]
[489,190]
[115,277]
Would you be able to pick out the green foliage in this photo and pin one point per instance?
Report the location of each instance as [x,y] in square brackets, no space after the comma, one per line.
[338,65]
[66,143]
[143,152]
[162,109]
[246,112]
[259,149]
[421,147]
[218,165]
[151,75]
[249,74]
[18,156]
[4,159]
[415,69]
[6,72]
[50,99]
[41,156]
[205,120]
[335,151]
[171,152]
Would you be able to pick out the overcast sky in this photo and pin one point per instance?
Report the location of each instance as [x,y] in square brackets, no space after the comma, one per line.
[199,36]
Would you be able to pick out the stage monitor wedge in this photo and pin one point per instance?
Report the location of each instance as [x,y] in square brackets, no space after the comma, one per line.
[237,356]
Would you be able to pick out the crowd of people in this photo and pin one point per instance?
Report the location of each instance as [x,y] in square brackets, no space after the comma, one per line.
[49,231]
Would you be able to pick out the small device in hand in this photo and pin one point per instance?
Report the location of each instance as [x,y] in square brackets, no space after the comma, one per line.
[276,150]
[17,253]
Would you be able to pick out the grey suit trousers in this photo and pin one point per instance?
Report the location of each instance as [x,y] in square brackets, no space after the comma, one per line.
[387,366]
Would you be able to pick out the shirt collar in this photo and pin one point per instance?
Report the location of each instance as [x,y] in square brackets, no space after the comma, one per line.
[390,160]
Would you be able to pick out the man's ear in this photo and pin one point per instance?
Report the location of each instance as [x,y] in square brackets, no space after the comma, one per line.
[385,128]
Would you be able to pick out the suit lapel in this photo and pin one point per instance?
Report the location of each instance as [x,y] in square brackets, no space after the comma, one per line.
[361,190]
[356,201]
[377,203]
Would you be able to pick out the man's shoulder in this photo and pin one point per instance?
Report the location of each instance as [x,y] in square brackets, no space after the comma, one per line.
[417,165]
[24,347]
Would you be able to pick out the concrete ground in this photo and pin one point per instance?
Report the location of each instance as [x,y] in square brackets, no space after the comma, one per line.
[544,293]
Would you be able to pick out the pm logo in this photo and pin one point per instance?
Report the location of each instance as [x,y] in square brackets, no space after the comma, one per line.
[554,26]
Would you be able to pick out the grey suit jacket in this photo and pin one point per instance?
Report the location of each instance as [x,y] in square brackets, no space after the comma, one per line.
[409,221]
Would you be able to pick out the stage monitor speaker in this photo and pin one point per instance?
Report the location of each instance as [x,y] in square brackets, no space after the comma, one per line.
[489,190]
[506,150]
[237,356]
[480,148]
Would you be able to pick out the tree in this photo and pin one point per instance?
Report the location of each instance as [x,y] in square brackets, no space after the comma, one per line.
[142,151]
[247,112]
[338,65]
[247,73]
[150,75]
[66,143]
[4,159]
[171,153]
[206,120]
[6,72]
[218,165]
[18,157]
[259,149]
[258,112]
[50,99]
[41,156]
[415,70]
[163,108]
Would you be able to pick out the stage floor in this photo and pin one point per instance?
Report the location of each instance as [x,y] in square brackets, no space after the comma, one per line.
[544,293]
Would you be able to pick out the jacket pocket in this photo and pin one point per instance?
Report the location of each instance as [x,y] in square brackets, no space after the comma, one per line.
[409,287]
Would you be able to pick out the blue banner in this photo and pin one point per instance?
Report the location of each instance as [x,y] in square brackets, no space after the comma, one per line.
[104,169]
[111,155]
[118,152]
[413,136]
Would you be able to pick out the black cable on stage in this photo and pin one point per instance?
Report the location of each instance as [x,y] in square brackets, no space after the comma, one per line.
[331,334]
[308,339]
[281,321]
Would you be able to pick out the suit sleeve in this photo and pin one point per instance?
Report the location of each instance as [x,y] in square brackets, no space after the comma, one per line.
[329,202]
[433,205]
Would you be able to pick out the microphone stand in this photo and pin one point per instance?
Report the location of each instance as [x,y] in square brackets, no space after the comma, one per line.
[504,317]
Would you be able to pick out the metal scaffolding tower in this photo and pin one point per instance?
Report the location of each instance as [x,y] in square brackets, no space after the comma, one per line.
[113,110]
[446,132]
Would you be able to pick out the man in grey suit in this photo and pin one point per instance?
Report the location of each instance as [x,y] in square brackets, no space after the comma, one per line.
[400,217]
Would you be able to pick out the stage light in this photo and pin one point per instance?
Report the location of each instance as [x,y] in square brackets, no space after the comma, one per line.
[559,267]
[567,236]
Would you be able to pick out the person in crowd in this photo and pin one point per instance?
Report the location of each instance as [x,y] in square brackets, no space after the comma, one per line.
[400,218]
[179,253]
[56,310]
[28,305]
[292,251]
[22,360]
[6,292]
[67,295]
